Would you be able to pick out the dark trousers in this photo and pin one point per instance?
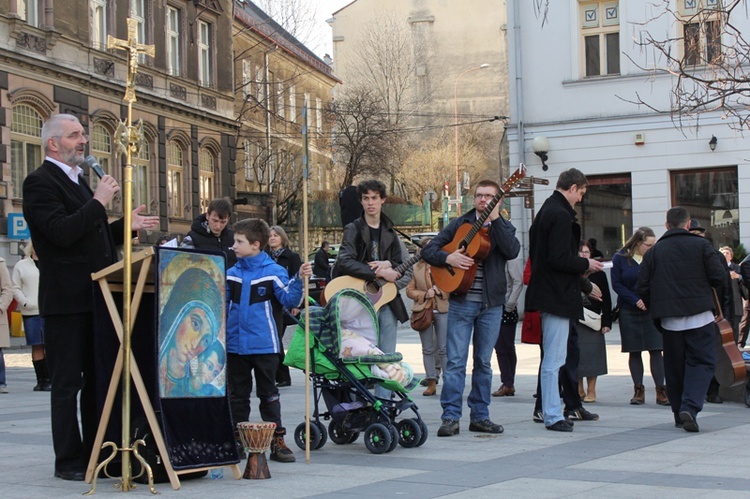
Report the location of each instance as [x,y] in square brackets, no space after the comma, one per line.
[240,369]
[568,377]
[69,342]
[689,363]
[282,371]
[505,349]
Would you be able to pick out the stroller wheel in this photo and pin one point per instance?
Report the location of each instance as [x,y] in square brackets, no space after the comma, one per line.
[300,436]
[409,433]
[425,431]
[339,435]
[323,433]
[394,438]
[377,438]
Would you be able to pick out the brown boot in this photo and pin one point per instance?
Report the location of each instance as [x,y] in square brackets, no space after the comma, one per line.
[640,395]
[431,388]
[661,395]
[279,451]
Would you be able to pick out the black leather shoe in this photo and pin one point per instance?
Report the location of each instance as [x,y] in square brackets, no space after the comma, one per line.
[284,383]
[74,476]
[714,398]
[688,422]
[561,425]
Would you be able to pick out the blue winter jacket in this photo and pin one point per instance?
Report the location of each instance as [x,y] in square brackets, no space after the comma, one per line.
[256,284]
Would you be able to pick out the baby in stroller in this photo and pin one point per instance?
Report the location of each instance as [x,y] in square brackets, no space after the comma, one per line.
[344,362]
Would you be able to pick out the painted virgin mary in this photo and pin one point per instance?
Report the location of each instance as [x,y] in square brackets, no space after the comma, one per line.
[189,323]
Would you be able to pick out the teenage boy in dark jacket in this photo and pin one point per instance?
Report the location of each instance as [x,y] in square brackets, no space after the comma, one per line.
[370,249]
[474,317]
[211,232]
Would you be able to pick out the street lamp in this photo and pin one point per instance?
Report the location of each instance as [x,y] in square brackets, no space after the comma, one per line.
[455,115]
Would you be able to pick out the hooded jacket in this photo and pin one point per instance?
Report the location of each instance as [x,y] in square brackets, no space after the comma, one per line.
[255,285]
[201,237]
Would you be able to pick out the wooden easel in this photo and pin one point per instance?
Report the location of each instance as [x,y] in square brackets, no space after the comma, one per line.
[110,280]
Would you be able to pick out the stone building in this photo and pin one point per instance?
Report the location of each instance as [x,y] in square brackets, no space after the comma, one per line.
[53,59]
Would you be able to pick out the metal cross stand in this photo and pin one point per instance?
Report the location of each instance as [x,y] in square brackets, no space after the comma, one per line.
[130,140]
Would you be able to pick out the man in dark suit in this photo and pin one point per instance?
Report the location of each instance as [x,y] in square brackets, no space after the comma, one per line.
[555,287]
[73,238]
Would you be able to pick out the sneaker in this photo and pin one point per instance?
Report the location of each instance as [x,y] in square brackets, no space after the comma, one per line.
[3,389]
[538,417]
[561,425]
[581,415]
[688,422]
[485,426]
[448,428]
[279,451]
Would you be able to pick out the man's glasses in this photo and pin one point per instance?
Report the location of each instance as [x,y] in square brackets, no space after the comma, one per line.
[484,196]
[75,136]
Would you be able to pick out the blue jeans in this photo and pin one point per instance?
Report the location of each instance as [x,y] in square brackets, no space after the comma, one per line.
[469,322]
[388,332]
[555,331]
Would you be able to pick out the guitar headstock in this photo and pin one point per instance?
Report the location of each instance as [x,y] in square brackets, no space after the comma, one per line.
[517,176]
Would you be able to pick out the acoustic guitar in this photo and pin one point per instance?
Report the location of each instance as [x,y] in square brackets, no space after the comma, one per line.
[378,291]
[730,367]
[455,280]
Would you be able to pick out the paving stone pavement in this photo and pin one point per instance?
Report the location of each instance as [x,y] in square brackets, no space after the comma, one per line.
[631,451]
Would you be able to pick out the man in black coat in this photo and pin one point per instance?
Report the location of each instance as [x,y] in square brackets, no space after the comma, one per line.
[554,288]
[210,231]
[675,281]
[73,238]
[321,267]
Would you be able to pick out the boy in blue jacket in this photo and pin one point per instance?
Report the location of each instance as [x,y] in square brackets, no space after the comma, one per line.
[255,286]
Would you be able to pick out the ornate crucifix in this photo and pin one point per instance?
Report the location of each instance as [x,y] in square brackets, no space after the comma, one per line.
[129,138]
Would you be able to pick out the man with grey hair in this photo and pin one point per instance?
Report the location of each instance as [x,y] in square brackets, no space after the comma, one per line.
[675,281]
[73,238]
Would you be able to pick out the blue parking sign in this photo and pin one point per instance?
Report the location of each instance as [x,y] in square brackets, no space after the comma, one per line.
[17,227]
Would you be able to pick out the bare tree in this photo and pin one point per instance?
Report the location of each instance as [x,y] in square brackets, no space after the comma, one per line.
[362,134]
[710,69]
[298,17]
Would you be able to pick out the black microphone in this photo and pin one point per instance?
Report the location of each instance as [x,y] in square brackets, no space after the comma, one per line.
[92,163]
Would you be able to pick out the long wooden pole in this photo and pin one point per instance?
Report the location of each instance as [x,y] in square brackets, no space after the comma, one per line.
[306,251]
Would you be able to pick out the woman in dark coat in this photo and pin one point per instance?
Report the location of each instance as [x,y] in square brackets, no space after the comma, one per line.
[593,349]
[278,248]
[637,331]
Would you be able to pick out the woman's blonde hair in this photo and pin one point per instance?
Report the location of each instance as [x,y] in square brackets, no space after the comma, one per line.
[281,232]
[28,249]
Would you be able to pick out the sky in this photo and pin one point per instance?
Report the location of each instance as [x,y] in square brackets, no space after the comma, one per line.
[325,9]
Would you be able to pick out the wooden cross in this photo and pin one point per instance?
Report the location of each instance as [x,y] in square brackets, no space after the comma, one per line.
[134,48]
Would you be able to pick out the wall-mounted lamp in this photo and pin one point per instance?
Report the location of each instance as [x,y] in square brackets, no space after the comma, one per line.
[540,146]
[3,190]
[712,143]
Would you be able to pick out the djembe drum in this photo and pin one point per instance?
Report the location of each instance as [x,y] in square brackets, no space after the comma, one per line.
[256,437]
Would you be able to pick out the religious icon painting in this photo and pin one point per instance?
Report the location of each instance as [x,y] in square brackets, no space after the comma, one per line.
[191,324]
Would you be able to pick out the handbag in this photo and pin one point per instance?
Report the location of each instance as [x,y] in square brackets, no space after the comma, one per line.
[591,319]
[422,319]
[615,313]
[531,328]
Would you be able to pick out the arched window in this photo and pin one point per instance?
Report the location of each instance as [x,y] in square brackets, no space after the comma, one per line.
[25,145]
[101,148]
[141,177]
[175,176]
[207,173]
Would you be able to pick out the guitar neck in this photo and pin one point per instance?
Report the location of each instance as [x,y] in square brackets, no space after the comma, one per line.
[401,268]
[507,186]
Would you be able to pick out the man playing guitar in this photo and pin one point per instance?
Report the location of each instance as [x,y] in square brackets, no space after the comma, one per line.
[371,249]
[476,314]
